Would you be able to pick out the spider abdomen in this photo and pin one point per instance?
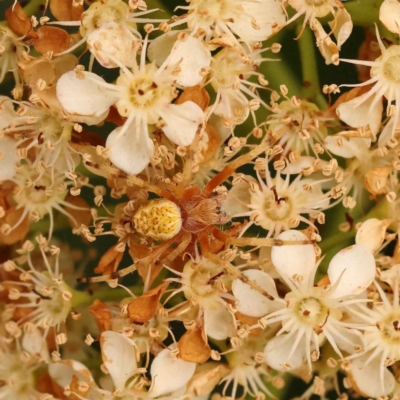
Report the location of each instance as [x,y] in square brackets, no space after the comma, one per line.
[159,219]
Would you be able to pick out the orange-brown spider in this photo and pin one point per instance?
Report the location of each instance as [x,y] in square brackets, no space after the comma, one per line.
[187,215]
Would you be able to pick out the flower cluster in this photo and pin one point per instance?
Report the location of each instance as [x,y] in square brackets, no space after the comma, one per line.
[182,217]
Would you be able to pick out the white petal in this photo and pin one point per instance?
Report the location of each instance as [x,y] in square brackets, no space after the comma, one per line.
[360,115]
[160,48]
[387,132]
[342,26]
[367,378]
[265,13]
[115,40]
[168,373]
[219,323]
[346,147]
[290,260]
[182,122]
[372,233]
[238,197]
[84,96]
[389,14]
[62,372]
[250,301]
[355,267]
[277,350]
[192,56]
[130,151]
[118,356]
[8,158]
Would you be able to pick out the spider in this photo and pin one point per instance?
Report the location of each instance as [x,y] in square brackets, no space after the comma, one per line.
[185,215]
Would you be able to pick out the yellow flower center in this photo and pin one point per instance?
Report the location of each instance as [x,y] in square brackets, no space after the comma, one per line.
[391,68]
[312,311]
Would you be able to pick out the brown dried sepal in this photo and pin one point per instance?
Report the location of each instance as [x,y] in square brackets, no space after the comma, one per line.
[77,388]
[376,180]
[101,314]
[11,218]
[51,39]
[206,377]
[34,69]
[249,321]
[143,308]
[80,217]
[19,21]
[109,262]
[324,281]
[369,51]
[193,346]
[47,385]
[138,252]
[197,94]
[63,10]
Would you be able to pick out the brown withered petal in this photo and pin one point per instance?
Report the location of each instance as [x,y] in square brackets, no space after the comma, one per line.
[46,385]
[249,321]
[101,314]
[64,63]
[81,216]
[50,38]
[193,346]
[143,308]
[36,69]
[214,143]
[109,261]
[49,97]
[197,94]
[11,218]
[63,10]
[19,22]
[376,180]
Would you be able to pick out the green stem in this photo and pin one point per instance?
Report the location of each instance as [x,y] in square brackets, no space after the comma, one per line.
[368,15]
[33,6]
[311,85]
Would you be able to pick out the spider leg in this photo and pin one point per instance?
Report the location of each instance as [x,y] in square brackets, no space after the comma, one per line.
[237,274]
[233,166]
[186,238]
[153,256]
[247,241]
[134,180]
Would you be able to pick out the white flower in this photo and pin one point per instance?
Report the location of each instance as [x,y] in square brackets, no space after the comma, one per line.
[278,204]
[251,21]
[144,96]
[385,79]
[46,295]
[381,338]
[314,313]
